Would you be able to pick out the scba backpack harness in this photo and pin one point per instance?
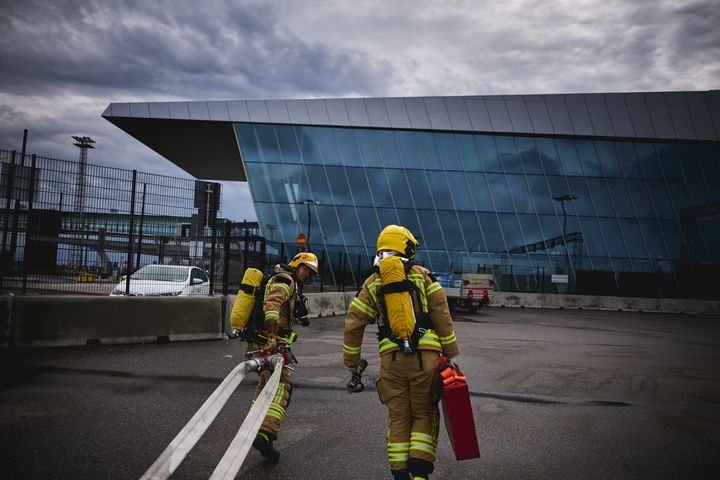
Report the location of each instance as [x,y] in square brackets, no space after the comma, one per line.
[399,319]
[247,314]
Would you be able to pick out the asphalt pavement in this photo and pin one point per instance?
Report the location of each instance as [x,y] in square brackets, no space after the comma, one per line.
[556,394]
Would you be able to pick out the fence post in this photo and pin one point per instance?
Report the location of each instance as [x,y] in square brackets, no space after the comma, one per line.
[140,229]
[28,229]
[226,247]
[130,233]
[213,239]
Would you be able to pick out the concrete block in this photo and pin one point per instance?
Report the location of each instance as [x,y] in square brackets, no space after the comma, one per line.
[77,320]
[326,304]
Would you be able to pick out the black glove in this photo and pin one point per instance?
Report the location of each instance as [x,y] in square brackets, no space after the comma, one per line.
[237,333]
[303,321]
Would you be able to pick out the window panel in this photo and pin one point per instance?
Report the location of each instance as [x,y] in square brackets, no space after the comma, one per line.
[653,238]
[348,147]
[668,162]
[328,146]
[400,190]
[583,204]
[491,231]
[679,195]
[528,155]
[601,197]
[589,158]
[409,153]
[508,154]
[626,153]
[428,151]
[440,191]
[421,192]
[308,148]
[608,159]
[569,157]
[451,230]
[698,193]
[288,145]
[257,181]
[388,151]
[542,198]
[359,187]
[368,148]
[331,234]
[709,233]
[709,158]
[648,160]
[663,204]
[248,142]
[339,186]
[480,192]
[613,237]
[433,237]
[548,156]
[500,192]
[689,163]
[550,225]
[460,191]
[448,151]
[318,184]
[488,153]
[593,237]
[468,153]
[621,197]
[520,193]
[531,228]
[350,228]
[641,199]
[380,188]
[511,230]
[370,225]
[634,239]
[267,140]
[471,231]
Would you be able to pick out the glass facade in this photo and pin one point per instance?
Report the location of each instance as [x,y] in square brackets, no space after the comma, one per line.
[633,215]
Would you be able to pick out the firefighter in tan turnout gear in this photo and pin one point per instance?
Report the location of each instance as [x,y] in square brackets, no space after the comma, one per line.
[414,329]
[281,300]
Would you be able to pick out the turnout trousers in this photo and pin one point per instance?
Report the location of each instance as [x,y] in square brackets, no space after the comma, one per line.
[271,422]
[407,387]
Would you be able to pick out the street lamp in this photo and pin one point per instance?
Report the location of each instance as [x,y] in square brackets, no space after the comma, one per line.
[307,202]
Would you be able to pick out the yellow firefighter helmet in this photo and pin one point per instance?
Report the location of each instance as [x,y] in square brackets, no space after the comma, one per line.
[398,239]
[305,258]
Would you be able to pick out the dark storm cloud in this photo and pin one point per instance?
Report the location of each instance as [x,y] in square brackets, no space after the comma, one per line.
[199,49]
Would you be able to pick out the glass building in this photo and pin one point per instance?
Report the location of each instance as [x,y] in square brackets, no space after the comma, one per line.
[620,192]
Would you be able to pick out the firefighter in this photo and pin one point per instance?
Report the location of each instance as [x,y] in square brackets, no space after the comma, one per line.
[281,308]
[408,366]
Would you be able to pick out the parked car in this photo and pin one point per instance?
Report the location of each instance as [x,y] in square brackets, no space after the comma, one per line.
[165,281]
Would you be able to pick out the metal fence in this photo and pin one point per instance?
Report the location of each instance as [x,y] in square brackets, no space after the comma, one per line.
[76,228]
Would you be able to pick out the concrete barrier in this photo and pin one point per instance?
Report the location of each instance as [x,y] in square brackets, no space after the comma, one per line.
[594,302]
[79,320]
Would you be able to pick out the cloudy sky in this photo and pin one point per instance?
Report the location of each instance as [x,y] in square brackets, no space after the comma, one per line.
[63,61]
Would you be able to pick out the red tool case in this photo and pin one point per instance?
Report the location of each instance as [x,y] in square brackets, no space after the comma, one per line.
[457,412]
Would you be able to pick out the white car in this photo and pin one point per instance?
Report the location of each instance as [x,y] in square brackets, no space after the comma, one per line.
[165,281]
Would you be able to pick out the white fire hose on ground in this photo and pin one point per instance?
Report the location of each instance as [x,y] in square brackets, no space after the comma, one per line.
[234,456]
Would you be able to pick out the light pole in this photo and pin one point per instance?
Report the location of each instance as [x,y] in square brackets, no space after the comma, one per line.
[307,202]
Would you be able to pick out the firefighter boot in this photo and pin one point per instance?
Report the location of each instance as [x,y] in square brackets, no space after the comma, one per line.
[264,444]
[420,469]
[403,474]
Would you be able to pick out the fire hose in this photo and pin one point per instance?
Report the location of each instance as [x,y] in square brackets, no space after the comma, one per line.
[231,462]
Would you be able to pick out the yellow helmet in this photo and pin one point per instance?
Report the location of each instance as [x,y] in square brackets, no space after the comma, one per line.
[398,239]
[306,258]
